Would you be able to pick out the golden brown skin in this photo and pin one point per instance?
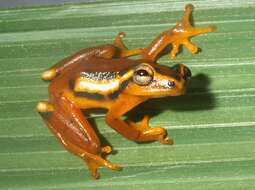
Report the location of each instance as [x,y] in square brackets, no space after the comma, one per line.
[103,77]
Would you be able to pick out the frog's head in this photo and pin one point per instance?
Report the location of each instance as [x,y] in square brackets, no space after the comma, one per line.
[153,80]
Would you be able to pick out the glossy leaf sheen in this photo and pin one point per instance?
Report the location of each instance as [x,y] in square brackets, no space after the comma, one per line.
[213,125]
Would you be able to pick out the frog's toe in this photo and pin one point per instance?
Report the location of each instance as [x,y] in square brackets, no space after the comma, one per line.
[190,46]
[185,25]
[49,74]
[115,167]
[95,174]
[166,140]
[44,107]
[106,149]
[174,50]
[111,166]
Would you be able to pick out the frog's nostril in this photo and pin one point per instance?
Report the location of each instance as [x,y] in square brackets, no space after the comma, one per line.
[171,84]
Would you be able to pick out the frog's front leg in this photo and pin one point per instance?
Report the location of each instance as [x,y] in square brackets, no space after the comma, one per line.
[132,131]
[144,127]
[177,36]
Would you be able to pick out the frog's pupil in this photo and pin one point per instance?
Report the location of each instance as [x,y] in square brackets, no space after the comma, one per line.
[142,72]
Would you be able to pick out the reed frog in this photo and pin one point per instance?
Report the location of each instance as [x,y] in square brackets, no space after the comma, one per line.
[104,77]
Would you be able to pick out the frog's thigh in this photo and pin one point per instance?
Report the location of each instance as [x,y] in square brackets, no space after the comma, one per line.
[69,125]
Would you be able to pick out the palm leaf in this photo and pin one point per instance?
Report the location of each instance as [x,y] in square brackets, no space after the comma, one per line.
[213,125]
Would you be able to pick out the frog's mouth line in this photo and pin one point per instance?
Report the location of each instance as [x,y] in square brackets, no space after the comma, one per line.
[167,84]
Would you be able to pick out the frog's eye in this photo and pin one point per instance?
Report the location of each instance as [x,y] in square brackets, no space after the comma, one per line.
[143,76]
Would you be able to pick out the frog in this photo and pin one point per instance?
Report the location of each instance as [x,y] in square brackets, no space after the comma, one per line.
[107,77]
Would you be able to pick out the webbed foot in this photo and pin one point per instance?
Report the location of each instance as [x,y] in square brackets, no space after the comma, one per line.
[95,161]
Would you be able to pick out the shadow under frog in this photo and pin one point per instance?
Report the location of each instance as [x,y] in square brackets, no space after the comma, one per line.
[197,97]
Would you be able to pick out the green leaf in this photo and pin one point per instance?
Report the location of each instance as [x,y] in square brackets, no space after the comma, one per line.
[213,125]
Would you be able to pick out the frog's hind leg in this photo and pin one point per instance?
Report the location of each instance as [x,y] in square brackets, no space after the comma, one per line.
[176,36]
[68,124]
[123,50]
[93,161]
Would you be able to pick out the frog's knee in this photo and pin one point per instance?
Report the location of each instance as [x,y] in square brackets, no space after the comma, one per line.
[44,107]
[49,74]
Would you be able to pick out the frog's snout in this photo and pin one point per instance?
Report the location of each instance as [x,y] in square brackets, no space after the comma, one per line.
[183,71]
[186,73]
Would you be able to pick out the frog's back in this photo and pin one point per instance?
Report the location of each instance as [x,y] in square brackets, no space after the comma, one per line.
[99,72]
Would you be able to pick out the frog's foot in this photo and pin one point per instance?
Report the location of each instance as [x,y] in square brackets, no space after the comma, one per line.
[184,30]
[95,161]
[123,50]
[150,134]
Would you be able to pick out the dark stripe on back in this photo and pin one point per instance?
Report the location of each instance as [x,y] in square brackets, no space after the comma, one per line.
[94,96]
[97,96]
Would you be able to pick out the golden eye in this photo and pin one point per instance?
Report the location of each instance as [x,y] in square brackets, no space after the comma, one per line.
[143,76]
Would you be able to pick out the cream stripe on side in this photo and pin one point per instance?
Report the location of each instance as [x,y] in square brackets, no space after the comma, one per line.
[103,87]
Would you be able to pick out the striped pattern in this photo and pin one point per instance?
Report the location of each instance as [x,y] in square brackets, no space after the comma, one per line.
[102,83]
[98,82]
[213,126]
[99,76]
